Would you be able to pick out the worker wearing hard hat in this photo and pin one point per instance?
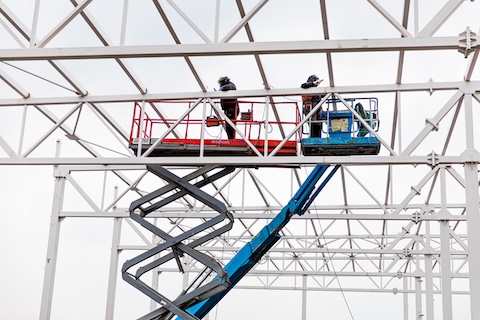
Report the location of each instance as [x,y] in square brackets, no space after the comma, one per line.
[229,106]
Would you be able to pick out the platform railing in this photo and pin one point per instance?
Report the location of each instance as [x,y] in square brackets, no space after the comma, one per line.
[251,121]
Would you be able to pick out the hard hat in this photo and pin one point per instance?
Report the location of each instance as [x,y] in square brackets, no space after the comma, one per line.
[223,80]
[312,78]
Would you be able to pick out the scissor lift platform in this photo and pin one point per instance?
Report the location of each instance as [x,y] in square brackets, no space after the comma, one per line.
[340,146]
[213,147]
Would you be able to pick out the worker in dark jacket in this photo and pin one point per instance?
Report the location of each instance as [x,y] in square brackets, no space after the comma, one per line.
[309,102]
[229,106]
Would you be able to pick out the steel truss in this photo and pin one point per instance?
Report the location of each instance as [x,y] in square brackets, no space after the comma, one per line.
[402,225]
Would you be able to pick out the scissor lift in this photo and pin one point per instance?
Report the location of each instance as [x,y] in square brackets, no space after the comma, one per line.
[195,303]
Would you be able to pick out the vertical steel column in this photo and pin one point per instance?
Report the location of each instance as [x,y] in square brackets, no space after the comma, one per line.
[265,125]
[140,129]
[418,285]
[33,33]
[405,298]
[304,297]
[418,298]
[22,130]
[473,213]
[428,275]
[53,240]
[156,273]
[445,253]
[202,130]
[124,22]
[113,274]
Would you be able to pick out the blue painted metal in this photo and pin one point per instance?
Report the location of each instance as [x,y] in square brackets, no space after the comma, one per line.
[344,115]
[339,140]
[342,133]
[334,146]
[253,251]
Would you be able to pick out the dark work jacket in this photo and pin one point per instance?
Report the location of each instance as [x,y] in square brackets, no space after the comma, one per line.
[315,99]
[228,103]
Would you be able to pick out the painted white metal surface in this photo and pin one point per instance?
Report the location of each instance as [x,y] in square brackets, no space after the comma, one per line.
[403,224]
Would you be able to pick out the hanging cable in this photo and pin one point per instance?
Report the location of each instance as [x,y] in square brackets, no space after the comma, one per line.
[288,98]
[330,259]
[37,76]
[72,137]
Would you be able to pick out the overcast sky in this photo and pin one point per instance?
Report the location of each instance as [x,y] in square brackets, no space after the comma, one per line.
[27,192]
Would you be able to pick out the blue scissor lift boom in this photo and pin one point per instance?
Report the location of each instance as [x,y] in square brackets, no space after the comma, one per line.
[196,304]
[254,250]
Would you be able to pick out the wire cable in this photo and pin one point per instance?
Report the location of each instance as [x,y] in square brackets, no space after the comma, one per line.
[330,259]
[37,76]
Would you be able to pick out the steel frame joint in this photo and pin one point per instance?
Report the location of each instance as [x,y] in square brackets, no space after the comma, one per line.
[433,159]
[433,124]
[417,217]
[444,215]
[60,172]
[467,42]
[470,156]
[417,191]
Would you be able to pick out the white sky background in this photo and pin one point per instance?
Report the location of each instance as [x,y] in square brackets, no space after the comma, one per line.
[27,192]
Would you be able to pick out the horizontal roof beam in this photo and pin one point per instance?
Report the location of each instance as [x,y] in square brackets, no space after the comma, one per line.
[283,161]
[238,48]
[429,87]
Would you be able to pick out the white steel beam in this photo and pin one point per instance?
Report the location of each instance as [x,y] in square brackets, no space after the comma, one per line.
[175,37]
[6,147]
[404,32]
[352,254]
[473,214]
[26,33]
[342,274]
[433,123]
[82,192]
[261,93]
[52,249]
[415,190]
[51,130]
[176,213]
[429,298]
[103,38]
[13,19]
[326,36]
[418,299]
[34,23]
[343,289]
[226,49]
[14,85]
[189,21]
[113,271]
[261,70]
[304,297]
[472,61]
[445,253]
[405,298]
[63,23]
[244,21]
[439,19]
[345,252]
[279,162]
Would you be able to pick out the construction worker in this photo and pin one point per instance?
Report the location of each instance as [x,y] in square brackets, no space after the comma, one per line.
[229,106]
[309,102]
